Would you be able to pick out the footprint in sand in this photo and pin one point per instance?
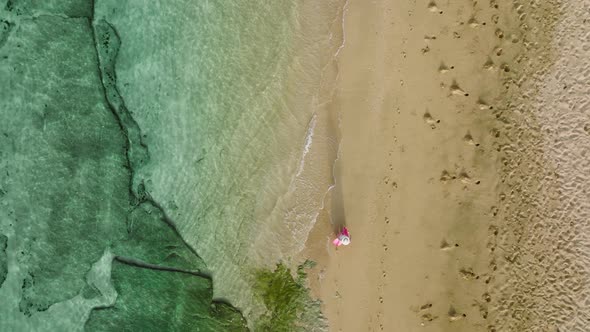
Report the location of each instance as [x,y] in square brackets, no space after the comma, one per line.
[454,315]
[494,210]
[493,230]
[446,176]
[426,306]
[464,177]
[433,7]
[430,120]
[514,38]
[482,105]
[522,15]
[489,64]
[472,22]
[427,318]
[493,266]
[498,51]
[495,18]
[444,245]
[491,246]
[468,138]
[386,180]
[492,238]
[468,274]
[444,68]
[495,132]
[483,310]
[456,90]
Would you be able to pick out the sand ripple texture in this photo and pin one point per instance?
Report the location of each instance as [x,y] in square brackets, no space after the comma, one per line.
[542,282]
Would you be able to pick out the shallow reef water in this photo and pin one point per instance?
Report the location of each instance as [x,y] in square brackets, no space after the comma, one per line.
[81,247]
[149,151]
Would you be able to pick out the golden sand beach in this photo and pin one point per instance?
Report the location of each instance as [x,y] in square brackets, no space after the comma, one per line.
[463,169]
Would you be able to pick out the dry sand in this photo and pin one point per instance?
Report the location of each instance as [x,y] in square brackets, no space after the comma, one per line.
[466,197]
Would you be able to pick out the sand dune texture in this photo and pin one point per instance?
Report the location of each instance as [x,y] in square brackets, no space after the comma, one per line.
[463,173]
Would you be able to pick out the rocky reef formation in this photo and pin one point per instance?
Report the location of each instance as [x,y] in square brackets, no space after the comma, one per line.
[82,244]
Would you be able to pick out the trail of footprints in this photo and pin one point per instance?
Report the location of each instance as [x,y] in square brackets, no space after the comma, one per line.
[383,277]
[494,63]
[385,226]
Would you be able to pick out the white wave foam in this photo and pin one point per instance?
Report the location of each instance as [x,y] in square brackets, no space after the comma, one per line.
[307,146]
[344,11]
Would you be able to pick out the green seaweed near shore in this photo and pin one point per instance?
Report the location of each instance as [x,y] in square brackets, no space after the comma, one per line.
[290,307]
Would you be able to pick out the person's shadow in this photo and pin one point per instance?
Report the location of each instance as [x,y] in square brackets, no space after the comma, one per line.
[337,213]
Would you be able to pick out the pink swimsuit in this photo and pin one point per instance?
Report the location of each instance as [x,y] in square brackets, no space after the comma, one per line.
[342,239]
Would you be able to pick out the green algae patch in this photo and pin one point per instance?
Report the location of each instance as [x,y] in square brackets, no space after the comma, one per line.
[69,8]
[153,300]
[69,153]
[287,299]
[62,172]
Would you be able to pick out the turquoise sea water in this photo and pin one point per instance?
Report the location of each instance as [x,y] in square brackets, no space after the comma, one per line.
[156,157]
